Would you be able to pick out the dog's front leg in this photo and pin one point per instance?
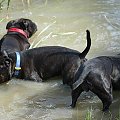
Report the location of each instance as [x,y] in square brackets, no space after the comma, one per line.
[33,76]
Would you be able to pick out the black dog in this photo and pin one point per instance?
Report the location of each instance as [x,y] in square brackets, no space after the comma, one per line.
[98,75]
[19,31]
[42,63]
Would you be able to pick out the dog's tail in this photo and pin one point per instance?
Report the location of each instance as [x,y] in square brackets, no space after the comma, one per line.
[82,75]
[86,50]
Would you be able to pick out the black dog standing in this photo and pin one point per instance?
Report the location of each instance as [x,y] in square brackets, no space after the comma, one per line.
[99,75]
[42,63]
[19,31]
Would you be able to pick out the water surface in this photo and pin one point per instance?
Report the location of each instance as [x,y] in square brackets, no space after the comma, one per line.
[62,22]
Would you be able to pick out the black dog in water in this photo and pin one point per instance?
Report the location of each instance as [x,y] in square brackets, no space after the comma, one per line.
[19,31]
[98,75]
[42,63]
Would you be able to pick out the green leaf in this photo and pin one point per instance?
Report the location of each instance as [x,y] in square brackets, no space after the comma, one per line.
[8,4]
[2,19]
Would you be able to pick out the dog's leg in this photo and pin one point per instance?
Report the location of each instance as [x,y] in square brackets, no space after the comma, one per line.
[107,102]
[106,99]
[75,94]
[69,71]
[32,76]
[103,91]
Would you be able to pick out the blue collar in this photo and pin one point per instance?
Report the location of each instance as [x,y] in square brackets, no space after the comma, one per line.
[17,66]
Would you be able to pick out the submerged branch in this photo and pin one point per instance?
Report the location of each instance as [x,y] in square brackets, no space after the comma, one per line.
[32,44]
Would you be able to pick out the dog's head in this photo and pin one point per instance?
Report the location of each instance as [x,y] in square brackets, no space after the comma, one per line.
[5,67]
[25,24]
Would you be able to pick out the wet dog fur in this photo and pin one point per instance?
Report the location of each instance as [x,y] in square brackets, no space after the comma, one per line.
[100,75]
[14,41]
[40,64]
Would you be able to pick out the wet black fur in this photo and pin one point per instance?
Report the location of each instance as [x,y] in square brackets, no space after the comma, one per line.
[14,41]
[99,75]
[40,64]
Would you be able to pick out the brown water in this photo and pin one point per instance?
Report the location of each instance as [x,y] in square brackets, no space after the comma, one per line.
[62,22]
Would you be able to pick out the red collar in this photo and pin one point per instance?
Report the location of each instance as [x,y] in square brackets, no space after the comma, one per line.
[19,31]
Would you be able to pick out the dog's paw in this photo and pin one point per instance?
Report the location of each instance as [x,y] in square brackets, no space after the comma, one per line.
[72,106]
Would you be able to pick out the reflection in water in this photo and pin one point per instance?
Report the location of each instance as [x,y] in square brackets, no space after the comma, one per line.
[62,22]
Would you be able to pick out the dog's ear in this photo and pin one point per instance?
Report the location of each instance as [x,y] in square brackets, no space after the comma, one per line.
[23,23]
[1,52]
[8,61]
[32,28]
[10,23]
[16,23]
[6,58]
[28,26]
[5,54]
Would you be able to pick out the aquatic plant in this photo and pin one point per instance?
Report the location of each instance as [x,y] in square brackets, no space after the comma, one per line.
[8,3]
[1,4]
[88,114]
[118,118]
[2,19]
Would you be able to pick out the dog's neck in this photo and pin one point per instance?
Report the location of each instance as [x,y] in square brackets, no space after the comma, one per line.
[14,41]
[17,30]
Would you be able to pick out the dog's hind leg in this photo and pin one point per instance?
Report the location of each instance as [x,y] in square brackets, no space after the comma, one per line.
[70,71]
[75,94]
[103,89]
[106,99]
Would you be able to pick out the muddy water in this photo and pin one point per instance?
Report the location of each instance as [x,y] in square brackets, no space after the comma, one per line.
[61,22]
